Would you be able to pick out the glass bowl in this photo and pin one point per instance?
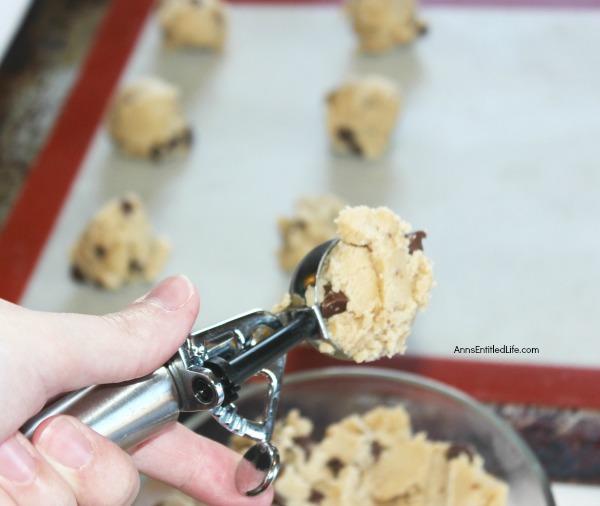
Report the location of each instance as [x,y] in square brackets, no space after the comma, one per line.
[444,413]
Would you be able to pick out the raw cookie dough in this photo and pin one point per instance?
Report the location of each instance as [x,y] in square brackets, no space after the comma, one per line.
[311,225]
[117,246]
[193,23]
[383,24]
[374,459]
[146,120]
[361,115]
[373,283]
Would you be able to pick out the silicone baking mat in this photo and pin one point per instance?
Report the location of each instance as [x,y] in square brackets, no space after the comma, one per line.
[496,155]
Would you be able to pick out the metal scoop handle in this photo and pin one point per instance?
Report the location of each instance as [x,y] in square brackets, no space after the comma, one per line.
[205,374]
[126,413]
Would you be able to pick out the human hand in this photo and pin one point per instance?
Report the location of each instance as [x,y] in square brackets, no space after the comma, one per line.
[67,463]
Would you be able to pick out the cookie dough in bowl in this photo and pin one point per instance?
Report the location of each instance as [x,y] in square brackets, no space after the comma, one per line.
[336,419]
[375,458]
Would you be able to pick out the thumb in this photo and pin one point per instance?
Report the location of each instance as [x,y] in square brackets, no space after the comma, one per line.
[62,352]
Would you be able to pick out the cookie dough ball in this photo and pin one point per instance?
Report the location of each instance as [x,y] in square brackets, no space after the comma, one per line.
[311,225]
[375,459]
[193,23]
[373,283]
[146,120]
[383,24]
[362,114]
[118,246]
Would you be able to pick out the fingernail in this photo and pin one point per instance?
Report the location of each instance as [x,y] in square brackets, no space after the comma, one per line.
[171,293]
[65,443]
[16,463]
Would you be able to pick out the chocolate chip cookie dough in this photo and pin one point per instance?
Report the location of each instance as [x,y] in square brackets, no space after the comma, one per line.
[374,459]
[373,283]
[145,119]
[311,225]
[383,24]
[117,246]
[193,23]
[362,114]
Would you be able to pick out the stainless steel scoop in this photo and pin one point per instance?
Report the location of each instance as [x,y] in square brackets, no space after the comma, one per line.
[206,374]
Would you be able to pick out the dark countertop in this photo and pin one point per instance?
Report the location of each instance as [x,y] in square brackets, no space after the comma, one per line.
[36,75]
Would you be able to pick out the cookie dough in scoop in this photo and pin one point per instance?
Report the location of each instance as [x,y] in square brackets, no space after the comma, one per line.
[373,284]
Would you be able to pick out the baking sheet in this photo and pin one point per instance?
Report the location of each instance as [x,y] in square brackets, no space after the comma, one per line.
[496,156]
[11,16]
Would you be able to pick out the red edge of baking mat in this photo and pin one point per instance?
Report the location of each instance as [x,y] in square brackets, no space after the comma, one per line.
[33,216]
[493,382]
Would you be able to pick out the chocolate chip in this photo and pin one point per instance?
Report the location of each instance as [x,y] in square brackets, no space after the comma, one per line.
[422,28]
[376,450]
[187,137]
[346,135]
[173,143]
[415,241]
[457,449]
[100,251]
[336,465]
[77,273]
[135,266]
[126,207]
[183,139]
[156,153]
[299,225]
[315,497]
[305,443]
[333,303]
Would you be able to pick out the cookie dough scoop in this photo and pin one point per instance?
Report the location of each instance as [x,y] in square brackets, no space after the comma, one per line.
[206,374]
[304,301]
